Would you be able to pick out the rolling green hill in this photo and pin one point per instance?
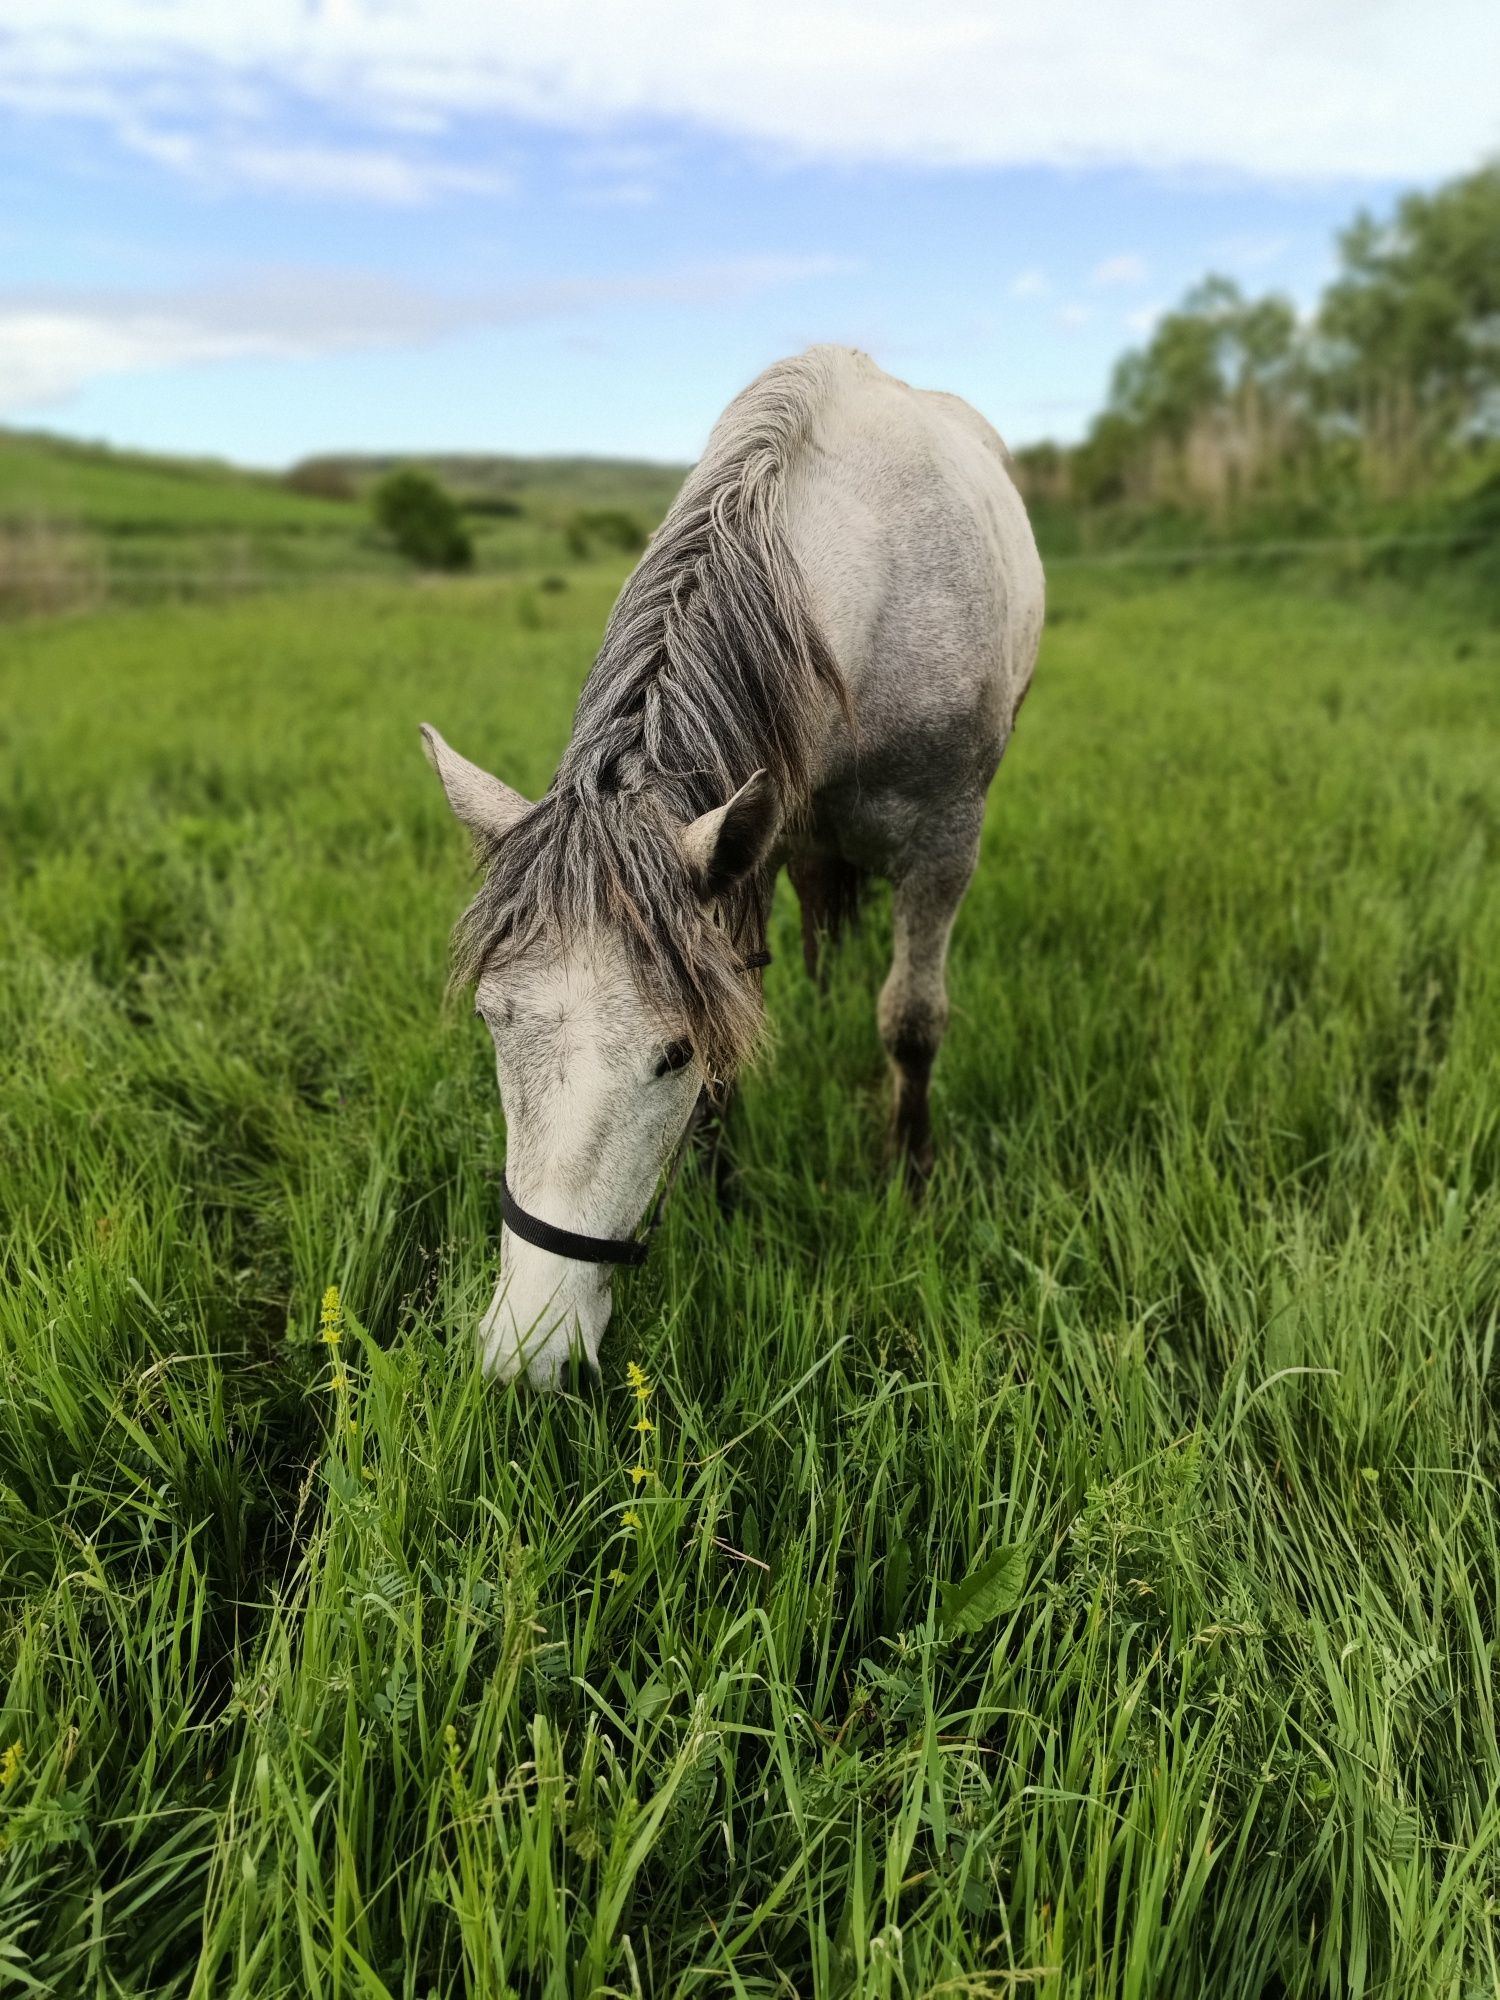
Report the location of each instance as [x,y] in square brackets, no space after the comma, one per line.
[537,484]
[123,492]
[82,525]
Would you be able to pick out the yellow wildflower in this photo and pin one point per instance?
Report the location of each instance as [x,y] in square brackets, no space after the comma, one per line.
[332,1322]
[10,1765]
[338,1379]
[640,1472]
[630,1518]
[644,1426]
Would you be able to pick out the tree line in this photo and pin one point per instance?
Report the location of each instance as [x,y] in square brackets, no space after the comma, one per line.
[1388,389]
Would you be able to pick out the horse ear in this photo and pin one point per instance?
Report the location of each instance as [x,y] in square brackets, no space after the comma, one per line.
[483,804]
[722,846]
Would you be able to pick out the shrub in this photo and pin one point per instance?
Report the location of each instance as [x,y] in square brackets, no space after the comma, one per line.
[616,527]
[498,506]
[422,520]
[319,479]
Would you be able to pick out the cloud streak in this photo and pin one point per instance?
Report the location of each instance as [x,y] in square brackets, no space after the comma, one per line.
[54,342]
[1263,88]
[348,172]
[1124,270]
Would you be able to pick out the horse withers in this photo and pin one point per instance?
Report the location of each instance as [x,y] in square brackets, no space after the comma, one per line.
[817,662]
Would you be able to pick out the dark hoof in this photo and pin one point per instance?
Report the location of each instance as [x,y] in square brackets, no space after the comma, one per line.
[916,1170]
[911,1153]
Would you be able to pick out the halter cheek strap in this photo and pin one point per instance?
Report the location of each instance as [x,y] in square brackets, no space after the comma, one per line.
[629,1250]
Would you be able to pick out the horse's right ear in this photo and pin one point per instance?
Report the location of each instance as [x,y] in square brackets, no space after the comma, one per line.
[722,846]
[483,804]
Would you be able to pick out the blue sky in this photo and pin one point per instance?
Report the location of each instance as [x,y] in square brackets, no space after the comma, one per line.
[262,232]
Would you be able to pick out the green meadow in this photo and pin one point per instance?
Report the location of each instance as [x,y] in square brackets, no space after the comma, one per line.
[1082,1585]
[83,527]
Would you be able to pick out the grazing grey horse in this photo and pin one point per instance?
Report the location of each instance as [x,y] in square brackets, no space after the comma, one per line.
[818,661]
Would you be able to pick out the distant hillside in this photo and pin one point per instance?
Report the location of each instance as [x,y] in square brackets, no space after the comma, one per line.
[83,524]
[94,484]
[550,484]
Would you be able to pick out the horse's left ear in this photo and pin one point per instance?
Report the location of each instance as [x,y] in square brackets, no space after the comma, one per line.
[722,846]
[485,805]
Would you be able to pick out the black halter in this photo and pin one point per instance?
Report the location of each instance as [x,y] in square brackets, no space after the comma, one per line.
[567,1242]
[630,1250]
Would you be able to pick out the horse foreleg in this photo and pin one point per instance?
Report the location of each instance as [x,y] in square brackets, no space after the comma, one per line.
[913,1011]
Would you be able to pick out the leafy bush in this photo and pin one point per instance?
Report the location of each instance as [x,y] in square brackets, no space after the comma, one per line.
[616,527]
[423,520]
[319,479]
[498,506]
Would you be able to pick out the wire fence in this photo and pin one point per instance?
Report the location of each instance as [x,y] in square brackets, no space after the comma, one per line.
[1202,552]
[41,586]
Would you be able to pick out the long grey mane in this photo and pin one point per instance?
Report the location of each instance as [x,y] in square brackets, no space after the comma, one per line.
[711,668]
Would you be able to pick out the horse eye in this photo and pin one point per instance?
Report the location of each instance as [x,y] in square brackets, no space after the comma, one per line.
[678,1056]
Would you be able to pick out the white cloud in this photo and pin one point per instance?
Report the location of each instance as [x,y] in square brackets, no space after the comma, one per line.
[363,173]
[1265,87]
[1031,284]
[53,344]
[1126,269]
[262,160]
[1249,252]
[1143,320]
[46,355]
[619,194]
[1073,317]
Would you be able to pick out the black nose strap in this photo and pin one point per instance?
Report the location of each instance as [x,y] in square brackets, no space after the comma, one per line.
[567,1242]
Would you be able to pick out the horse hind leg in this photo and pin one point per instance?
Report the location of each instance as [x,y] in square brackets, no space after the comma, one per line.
[829,891]
[913,1009]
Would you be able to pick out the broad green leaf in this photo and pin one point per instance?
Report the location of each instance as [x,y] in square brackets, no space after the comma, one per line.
[986,1594]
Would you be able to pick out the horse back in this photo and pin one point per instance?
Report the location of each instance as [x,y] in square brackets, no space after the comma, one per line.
[923,576]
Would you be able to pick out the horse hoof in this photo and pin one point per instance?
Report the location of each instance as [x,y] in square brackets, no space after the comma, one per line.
[913,1158]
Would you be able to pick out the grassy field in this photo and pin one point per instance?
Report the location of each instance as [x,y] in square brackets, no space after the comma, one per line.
[83,527]
[1085,1586]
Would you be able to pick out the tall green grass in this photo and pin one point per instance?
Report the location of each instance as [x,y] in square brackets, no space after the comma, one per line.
[1085,1585]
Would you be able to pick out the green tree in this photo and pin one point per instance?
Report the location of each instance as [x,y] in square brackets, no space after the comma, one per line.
[1219,351]
[1410,329]
[423,520]
[1102,465]
[1213,404]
